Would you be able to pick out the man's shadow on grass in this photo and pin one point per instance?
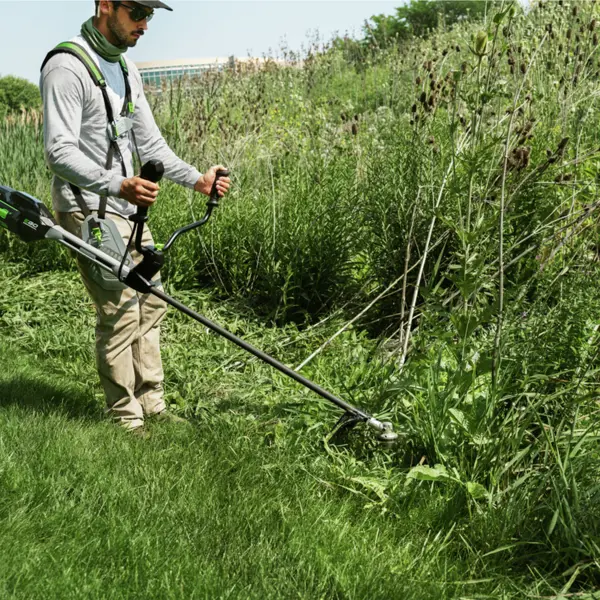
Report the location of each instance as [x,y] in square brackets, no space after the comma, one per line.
[42,397]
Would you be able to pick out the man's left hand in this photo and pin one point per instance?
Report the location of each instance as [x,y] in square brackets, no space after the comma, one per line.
[205,183]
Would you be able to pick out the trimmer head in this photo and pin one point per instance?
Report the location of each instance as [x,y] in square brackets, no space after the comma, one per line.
[388,435]
[24,215]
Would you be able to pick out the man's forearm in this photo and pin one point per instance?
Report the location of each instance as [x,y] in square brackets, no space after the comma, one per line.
[176,169]
[152,146]
[69,163]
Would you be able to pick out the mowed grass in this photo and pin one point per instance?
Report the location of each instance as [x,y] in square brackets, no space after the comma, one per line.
[226,508]
[247,502]
[209,511]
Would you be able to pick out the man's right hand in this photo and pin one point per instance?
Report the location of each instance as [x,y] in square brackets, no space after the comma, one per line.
[139,191]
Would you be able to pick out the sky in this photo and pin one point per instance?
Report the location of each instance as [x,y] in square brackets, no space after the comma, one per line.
[195,29]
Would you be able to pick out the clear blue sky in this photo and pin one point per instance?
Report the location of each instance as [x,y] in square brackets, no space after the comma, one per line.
[30,28]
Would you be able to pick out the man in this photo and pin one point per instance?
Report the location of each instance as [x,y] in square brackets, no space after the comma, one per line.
[90,135]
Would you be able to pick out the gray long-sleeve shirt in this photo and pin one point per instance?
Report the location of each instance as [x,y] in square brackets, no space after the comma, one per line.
[76,140]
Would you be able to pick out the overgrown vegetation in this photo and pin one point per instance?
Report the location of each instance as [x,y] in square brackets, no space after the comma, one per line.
[425,217]
[17,95]
[421,18]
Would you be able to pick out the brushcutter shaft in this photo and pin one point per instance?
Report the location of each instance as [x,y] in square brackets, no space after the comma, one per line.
[267,359]
[29,219]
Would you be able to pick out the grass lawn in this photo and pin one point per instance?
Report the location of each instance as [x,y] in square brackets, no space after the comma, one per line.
[247,502]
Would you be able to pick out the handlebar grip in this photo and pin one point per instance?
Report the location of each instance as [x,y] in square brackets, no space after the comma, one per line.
[214,195]
[153,171]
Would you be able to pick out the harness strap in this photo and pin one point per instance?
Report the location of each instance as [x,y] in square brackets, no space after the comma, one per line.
[128,109]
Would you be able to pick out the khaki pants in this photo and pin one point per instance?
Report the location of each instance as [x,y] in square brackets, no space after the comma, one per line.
[127,336]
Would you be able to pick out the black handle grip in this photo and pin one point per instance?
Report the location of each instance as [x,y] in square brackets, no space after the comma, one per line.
[214,194]
[153,171]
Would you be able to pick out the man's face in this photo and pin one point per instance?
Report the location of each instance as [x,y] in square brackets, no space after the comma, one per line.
[121,25]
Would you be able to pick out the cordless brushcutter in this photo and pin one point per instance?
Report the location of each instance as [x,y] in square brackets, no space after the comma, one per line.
[31,221]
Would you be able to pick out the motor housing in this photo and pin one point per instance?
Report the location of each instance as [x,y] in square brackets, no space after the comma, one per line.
[24,215]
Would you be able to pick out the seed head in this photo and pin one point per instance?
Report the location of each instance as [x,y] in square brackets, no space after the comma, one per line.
[480,43]
[562,145]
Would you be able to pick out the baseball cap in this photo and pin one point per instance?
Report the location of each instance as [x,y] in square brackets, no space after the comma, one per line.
[153,4]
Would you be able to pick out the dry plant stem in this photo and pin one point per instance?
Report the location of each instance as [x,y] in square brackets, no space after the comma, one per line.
[424,258]
[383,294]
[274,208]
[406,262]
[349,323]
[496,357]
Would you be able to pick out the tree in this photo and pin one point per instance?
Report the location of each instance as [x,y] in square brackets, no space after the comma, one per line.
[418,18]
[16,94]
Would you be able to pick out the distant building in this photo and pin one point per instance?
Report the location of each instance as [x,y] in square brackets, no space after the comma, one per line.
[157,72]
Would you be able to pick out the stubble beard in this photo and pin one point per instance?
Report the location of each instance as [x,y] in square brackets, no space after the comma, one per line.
[119,33]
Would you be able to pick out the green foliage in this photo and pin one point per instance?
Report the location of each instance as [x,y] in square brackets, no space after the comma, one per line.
[17,94]
[442,195]
[301,506]
[420,18]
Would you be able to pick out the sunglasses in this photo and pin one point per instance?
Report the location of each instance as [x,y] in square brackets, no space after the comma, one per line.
[138,13]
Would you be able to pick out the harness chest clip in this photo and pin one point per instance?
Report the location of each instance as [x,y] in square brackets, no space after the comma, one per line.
[119,128]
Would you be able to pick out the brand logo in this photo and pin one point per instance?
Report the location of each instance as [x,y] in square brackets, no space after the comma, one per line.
[31,225]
